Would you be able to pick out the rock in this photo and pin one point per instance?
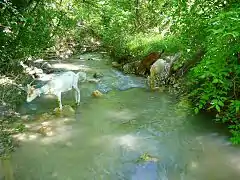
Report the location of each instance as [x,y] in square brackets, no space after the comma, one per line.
[97,75]
[105,88]
[158,73]
[46,66]
[96,93]
[94,80]
[116,64]
[67,110]
[176,86]
[132,67]
[26,117]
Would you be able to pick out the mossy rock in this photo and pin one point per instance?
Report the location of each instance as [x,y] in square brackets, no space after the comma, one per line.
[97,75]
[67,110]
[158,89]
[116,64]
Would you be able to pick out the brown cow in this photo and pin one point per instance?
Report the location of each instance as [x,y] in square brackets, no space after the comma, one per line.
[146,63]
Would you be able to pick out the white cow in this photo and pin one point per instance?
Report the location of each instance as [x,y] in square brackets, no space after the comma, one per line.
[58,84]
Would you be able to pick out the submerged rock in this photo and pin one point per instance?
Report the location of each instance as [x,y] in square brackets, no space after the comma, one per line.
[67,110]
[93,80]
[103,87]
[116,64]
[98,75]
[96,93]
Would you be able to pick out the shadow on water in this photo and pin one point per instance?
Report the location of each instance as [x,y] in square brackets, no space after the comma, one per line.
[107,135]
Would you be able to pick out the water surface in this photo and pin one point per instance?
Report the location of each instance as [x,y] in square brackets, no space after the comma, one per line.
[109,134]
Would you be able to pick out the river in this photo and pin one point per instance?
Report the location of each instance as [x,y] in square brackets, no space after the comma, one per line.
[108,134]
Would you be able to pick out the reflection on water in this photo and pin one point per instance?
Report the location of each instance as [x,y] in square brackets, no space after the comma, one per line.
[110,133]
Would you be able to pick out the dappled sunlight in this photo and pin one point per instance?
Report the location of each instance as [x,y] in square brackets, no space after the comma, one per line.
[234,161]
[128,141]
[60,134]
[26,136]
[122,115]
[10,82]
[47,131]
[46,77]
[6,80]
[193,165]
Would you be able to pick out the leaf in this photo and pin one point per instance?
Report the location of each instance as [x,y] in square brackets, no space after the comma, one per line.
[215,81]
[234,34]
[205,97]
[220,103]
[196,110]
[216,31]
[218,108]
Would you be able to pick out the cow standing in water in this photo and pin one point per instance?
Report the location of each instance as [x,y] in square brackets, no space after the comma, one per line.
[57,85]
[147,62]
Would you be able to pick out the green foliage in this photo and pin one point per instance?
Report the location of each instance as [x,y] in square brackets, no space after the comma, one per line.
[6,142]
[213,82]
[209,25]
[30,31]
[142,44]
[9,126]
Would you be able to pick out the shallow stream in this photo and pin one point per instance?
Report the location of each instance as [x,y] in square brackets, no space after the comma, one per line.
[108,135]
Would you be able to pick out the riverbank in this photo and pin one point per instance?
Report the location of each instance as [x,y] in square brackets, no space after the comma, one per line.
[208,85]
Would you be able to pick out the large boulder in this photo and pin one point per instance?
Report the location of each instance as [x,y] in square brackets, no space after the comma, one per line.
[160,71]
[116,64]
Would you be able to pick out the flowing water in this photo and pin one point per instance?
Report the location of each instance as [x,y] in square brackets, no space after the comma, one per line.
[108,135]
